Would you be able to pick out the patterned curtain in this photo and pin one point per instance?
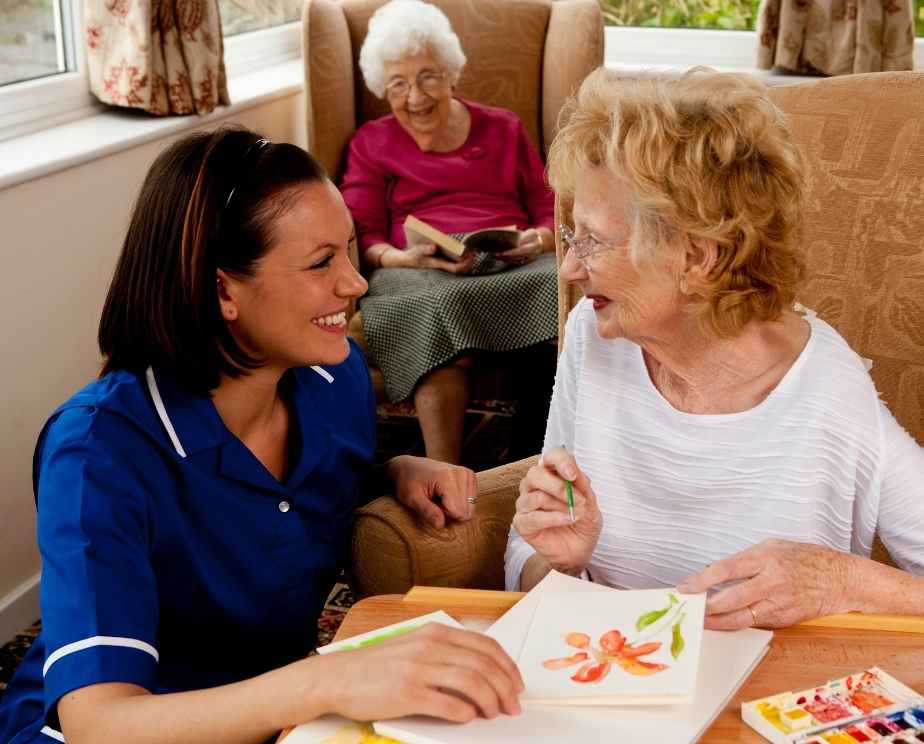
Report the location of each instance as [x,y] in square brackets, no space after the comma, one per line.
[836,37]
[162,56]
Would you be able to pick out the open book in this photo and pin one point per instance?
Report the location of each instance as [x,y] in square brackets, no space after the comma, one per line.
[458,245]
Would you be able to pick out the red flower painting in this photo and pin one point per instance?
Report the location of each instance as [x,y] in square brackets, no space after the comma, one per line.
[613,647]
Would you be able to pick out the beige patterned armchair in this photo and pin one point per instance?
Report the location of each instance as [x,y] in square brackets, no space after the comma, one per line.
[862,137]
[524,55]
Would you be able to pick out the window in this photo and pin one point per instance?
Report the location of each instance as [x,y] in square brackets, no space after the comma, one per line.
[718,14]
[35,39]
[240,16]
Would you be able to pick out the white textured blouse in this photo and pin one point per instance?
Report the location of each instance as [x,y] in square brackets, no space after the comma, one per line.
[821,459]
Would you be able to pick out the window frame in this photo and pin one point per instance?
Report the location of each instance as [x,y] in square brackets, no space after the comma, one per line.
[54,99]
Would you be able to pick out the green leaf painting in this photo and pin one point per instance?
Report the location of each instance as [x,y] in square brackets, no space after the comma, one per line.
[677,642]
[650,617]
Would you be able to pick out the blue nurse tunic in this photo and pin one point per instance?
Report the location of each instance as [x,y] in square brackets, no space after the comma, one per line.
[172,559]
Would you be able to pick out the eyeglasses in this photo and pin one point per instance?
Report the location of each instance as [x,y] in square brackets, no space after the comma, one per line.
[588,247]
[428,83]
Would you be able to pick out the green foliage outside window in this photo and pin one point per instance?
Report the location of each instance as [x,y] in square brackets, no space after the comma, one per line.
[724,14]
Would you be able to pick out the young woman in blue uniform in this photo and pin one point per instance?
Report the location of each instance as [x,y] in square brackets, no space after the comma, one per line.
[194,502]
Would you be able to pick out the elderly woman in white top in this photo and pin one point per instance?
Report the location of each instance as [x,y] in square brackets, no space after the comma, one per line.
[715,435]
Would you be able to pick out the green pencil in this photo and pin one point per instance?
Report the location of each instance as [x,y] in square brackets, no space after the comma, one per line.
[569,494]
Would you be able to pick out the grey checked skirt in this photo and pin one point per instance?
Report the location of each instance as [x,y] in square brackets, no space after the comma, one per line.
[416,320]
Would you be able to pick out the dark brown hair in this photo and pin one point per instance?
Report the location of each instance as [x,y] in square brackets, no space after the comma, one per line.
[209,202]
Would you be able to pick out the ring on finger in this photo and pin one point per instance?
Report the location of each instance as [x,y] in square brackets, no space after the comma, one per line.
[472,499]
[753,615]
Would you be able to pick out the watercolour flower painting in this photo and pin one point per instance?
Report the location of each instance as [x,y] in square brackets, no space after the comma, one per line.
[614,648]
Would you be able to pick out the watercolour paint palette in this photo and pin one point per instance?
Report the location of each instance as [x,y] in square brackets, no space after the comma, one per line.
[616,648]
[870,706]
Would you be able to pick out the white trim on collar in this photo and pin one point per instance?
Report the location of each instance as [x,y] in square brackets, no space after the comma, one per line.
[51,733]
[162,411]
[323,372]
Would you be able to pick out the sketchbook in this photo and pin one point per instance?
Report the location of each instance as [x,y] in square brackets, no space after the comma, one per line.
[725,662]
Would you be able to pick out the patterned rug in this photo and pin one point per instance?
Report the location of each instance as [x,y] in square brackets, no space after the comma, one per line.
[13,652]
[335,609]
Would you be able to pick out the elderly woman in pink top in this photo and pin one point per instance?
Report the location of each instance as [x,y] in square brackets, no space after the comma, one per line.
[459,166]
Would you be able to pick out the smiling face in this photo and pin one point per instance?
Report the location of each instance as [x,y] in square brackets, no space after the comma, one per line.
[421,113]
[292,311]
[630,301]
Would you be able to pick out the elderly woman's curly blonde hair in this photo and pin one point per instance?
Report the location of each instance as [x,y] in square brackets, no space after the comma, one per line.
[705,155]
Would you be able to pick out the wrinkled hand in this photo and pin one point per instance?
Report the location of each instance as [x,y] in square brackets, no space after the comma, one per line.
[434,490]
[426,256]
[435,670]
[531,246]
[784,582]
[542,517]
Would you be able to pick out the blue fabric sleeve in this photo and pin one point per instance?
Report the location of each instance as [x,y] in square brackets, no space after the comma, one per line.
[95,476]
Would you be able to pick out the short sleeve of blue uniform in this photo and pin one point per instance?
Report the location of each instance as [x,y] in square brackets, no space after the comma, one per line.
[98,592]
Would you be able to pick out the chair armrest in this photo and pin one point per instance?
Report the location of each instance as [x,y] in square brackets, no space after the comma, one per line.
[573,49]
[393,550]
[331,107]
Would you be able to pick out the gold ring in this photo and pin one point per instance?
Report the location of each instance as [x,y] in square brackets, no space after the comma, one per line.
[472,499]
[753,614]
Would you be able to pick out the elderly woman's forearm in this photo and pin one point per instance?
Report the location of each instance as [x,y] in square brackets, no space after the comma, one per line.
[375,255]
[877,588]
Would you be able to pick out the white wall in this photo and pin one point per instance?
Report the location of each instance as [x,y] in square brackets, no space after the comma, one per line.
[61,235]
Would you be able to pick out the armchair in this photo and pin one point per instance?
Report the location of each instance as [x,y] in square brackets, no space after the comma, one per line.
[862,139]
[523,55]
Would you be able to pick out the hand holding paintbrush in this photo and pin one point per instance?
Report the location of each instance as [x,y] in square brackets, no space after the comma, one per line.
[557,512]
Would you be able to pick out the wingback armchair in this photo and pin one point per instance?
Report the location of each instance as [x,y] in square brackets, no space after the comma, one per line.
[862,138]
[524,55]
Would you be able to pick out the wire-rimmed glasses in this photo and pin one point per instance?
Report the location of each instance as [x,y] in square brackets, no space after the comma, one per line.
[588,247]
[428,82]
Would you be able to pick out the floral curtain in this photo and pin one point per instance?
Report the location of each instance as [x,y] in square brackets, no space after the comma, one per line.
[836,37]
[162,56]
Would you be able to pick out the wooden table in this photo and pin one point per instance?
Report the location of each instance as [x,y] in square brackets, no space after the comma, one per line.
[799,657]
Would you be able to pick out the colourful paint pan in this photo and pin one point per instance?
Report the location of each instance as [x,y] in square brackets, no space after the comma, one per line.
[866,708]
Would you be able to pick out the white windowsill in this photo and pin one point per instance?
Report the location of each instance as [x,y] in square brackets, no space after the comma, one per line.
[34,155]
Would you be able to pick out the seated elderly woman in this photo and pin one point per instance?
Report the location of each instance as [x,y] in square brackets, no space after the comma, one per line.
[459,166]
[730,439]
